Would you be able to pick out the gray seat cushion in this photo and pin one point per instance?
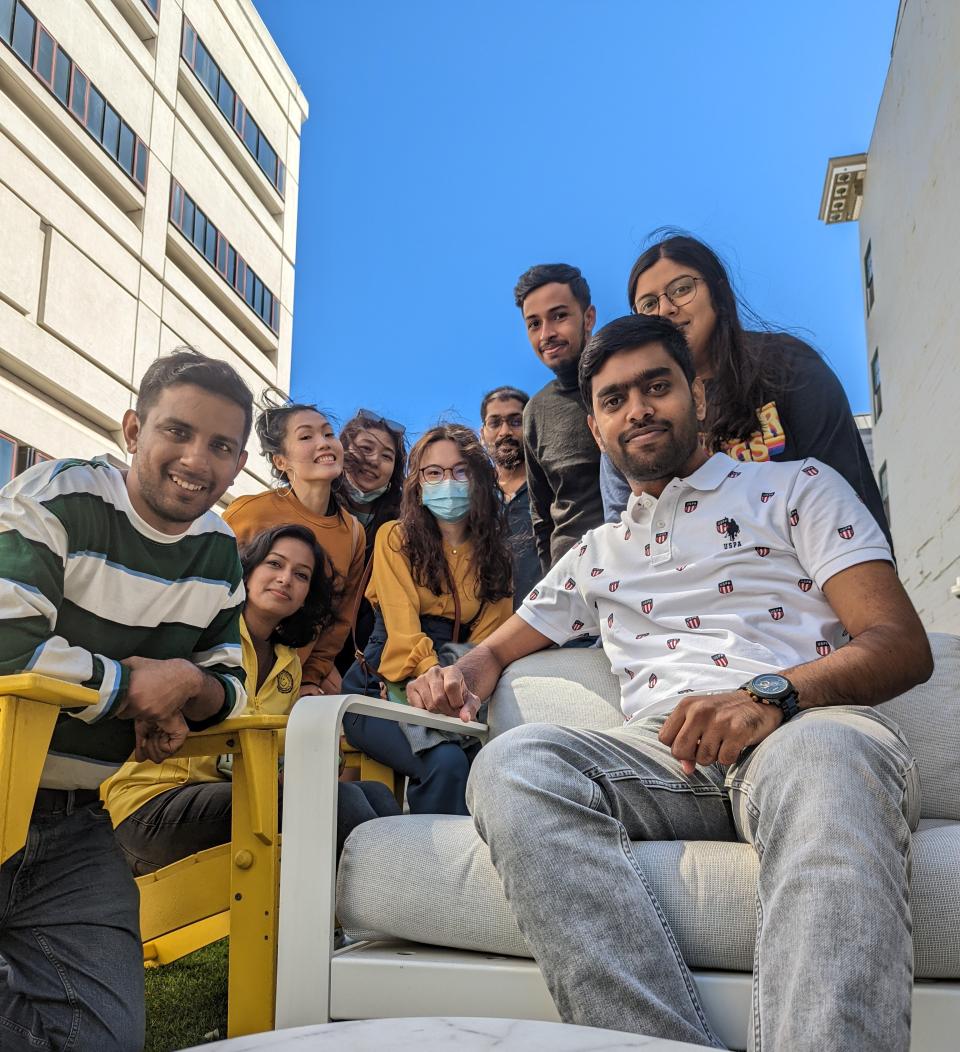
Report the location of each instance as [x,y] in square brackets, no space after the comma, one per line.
[429,879]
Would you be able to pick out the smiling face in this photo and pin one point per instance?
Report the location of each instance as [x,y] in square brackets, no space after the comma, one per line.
[557,326]
[646,416]
[373,455]
[311,450]
[695,319]
[186,452]
[278,586]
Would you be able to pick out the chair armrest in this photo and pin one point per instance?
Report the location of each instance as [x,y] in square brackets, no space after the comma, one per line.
[30,686]
[308,873]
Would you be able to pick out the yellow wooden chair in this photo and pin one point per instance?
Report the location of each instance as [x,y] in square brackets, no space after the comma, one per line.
[228,889]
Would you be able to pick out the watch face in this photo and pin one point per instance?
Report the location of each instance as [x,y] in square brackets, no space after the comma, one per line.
[770,684]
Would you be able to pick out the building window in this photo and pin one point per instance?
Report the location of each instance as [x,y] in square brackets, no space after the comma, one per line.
[216,85]
[875,384]
[53,67]
[207,239]
[868,276]
[15,457]
[153,6]
[884,489]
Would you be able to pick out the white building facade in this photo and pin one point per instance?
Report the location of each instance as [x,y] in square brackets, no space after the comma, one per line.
[149,171]
[909,236]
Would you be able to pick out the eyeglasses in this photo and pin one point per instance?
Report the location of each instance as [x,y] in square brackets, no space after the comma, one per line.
[514,422]
[374,419]
[679,292]
[433,474]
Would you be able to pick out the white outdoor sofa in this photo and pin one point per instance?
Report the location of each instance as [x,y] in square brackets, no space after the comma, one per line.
[436,934]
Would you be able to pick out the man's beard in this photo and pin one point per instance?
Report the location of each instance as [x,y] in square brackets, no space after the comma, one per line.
[567,370]
[508,453]
[675,451]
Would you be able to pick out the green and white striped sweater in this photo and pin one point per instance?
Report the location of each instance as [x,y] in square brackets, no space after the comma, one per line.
[85,583]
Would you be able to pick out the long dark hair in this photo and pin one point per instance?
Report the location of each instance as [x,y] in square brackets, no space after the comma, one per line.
[420,539]
[323,596]
[745,376]
[387,505]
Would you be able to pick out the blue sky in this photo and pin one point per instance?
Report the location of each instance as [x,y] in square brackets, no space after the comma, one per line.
[453,143]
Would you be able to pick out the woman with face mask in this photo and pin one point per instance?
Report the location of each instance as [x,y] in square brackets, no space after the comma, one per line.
[447,550]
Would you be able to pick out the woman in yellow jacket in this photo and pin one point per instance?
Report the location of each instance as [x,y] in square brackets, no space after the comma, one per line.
[163,812]
[447,548]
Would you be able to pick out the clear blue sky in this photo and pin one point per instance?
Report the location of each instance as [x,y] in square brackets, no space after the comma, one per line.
[453,143]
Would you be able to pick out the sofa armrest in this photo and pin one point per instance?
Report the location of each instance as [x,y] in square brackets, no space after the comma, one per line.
[308,874]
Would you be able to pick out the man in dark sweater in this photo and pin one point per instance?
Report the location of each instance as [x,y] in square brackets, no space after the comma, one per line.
[563,461]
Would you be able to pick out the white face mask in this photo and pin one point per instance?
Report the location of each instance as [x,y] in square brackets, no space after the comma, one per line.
[359,497]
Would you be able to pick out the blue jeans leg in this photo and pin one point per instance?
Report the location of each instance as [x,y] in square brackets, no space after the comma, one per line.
[438,777]
[70,938]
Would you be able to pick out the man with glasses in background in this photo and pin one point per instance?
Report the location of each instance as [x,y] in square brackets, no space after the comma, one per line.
[501,431]
[563,462]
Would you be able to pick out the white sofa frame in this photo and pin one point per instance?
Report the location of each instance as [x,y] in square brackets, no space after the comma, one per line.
[379,979]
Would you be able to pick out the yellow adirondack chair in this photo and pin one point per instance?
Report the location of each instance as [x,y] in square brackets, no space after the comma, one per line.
[232,888]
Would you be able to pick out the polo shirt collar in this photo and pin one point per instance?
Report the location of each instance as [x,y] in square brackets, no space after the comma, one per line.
[706,478]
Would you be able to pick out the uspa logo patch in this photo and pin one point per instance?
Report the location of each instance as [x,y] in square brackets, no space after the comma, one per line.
[630,672]
[576,626]
[762,551]
[646,549]
[811,471]
[776,612]
[646,606]
[692,622]
[534,593]
[734,474]
[725,587]
[627,534]
[652,681]
[723,525]
[284,682]
[690,505]
[672,643]
[569,584]
[766,496]
[719,659]
[609,620]
[823,647]
[804,584]
[596,571]
[661,538]
[794,517]
[583,548]
[613,586]
[846,532]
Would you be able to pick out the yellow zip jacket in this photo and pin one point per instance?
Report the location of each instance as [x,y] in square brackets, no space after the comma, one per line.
[137,783]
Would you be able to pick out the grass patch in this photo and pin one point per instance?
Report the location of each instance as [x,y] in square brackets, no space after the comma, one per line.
[187,999]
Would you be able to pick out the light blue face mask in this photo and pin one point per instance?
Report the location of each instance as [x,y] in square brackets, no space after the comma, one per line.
[358,496]
[448,501]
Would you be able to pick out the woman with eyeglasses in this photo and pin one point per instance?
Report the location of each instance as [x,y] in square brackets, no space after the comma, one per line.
[770,396]
[306,459]
[164,812]
[443,562]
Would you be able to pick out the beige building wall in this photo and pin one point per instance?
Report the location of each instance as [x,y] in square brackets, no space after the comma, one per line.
[95,279]
[910,222]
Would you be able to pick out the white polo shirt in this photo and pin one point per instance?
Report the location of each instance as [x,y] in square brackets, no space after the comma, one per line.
[717,581]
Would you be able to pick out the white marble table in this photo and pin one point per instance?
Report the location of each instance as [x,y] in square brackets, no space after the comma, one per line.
[462,1034]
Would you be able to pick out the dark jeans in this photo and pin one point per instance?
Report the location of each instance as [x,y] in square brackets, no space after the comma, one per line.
[191,818]
[438,776]
[71,962]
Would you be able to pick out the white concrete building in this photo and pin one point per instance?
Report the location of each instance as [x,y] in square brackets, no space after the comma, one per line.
[149,170]
[909,236]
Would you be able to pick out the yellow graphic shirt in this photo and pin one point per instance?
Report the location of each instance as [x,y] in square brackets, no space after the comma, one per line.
[769,441]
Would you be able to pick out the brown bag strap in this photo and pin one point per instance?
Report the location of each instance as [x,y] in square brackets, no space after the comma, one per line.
[364,581]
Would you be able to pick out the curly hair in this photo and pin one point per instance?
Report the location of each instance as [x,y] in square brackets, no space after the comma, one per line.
[420,538]
[387,506]
[323,596]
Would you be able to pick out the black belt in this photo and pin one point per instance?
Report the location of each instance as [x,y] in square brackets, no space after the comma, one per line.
[54,801]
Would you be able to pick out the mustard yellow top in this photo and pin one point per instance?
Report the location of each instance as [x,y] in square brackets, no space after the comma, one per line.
[137,783]
[408,651]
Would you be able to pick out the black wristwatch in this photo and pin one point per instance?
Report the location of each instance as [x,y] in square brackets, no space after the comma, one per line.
[770,688]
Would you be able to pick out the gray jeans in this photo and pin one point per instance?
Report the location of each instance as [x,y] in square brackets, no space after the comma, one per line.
[828,802]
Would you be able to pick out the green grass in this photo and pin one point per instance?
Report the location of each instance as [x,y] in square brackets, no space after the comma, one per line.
[187,1000]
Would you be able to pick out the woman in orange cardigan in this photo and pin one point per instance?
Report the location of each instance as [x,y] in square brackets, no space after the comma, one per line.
[306,458]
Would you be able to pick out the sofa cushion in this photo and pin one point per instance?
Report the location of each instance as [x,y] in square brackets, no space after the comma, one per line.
[929,716]
[429,879]
[576,688]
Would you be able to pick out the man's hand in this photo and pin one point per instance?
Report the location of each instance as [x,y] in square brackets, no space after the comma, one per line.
[705,729]
[444,691]
[158,740]
[158,690]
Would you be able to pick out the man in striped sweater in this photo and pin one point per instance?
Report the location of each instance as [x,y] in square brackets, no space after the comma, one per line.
[126,582]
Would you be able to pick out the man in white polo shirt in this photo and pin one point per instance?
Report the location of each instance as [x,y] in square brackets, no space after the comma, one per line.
[753,616]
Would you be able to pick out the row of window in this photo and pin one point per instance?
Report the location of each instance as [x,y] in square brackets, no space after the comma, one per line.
[15,458]
[153,6]
[222,256]
[35,47]
[230,104]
